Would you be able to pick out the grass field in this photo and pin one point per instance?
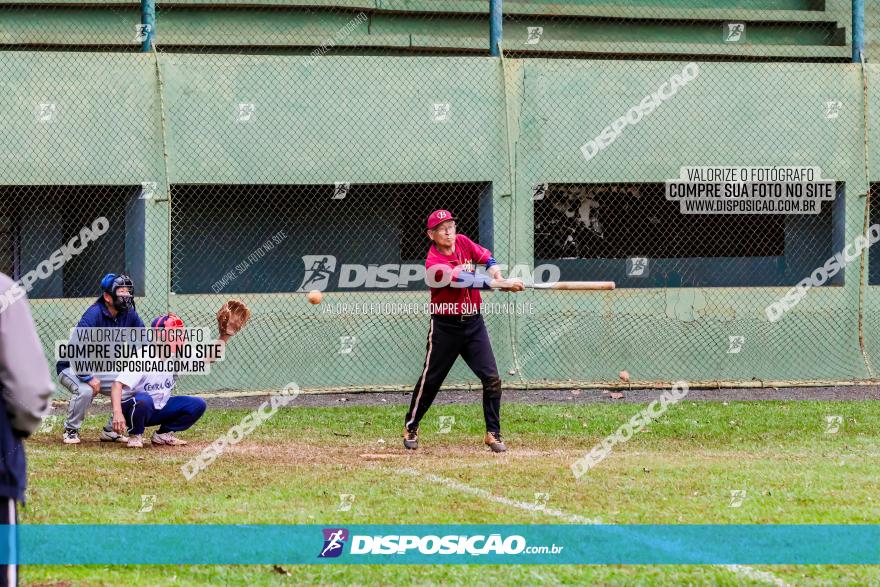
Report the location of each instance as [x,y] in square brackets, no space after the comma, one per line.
[293,468]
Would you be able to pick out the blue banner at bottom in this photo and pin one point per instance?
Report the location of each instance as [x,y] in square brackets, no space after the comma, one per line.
[441,544]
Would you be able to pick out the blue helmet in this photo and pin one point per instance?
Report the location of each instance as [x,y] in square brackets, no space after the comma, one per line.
[111,283]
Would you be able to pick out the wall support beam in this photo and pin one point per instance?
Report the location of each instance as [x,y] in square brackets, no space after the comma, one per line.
[495,26]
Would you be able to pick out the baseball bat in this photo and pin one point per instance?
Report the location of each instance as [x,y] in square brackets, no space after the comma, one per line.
[574,285]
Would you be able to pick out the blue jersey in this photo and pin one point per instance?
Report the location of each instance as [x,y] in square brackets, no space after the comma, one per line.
[98,316]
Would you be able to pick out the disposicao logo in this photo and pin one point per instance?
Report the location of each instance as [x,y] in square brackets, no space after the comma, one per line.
[408,544]
[334,541]
[443,545]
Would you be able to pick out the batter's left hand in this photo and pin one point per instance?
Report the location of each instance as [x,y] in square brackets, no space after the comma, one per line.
[511,285]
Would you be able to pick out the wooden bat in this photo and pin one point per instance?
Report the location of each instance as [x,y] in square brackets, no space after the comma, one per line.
[571,286]
[574,285]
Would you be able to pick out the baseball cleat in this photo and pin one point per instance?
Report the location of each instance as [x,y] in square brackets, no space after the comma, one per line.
[493,441]
[167,438]
[136,441]
[70,436]
[411,438]
[111,436]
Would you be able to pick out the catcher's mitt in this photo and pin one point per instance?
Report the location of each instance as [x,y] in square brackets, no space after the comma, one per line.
[232,317]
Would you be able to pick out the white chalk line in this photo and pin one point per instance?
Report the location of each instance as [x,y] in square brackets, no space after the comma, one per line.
[743,570]
[529,507]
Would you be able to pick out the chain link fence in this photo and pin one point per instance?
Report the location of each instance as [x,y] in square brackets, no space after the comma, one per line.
[262,150]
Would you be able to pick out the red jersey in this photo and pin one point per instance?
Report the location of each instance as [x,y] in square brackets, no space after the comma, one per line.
[450,300]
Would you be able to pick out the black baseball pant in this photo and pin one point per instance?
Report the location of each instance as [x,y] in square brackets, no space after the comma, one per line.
[448,338]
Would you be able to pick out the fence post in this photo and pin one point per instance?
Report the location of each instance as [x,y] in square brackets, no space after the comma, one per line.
[495,20]
[858,32]
[148,21]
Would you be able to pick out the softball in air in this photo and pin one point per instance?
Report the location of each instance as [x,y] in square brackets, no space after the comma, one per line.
[624,376]
[315,296]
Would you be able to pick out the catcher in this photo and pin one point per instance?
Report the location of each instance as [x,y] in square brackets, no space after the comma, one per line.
[144,399]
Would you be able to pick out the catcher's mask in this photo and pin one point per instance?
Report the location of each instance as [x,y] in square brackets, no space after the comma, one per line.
[111,283]
[162,324]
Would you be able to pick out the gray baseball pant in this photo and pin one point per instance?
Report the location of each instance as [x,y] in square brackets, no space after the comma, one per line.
[81,399]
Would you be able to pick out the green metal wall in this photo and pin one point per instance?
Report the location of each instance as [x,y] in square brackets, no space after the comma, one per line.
[364,119]
[783,29]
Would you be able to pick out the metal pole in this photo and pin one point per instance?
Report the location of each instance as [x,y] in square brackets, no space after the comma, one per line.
[858,33]
[495,20]
[148,23]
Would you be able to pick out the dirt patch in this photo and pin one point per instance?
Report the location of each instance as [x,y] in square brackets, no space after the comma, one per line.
[298,453]
[380,456]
